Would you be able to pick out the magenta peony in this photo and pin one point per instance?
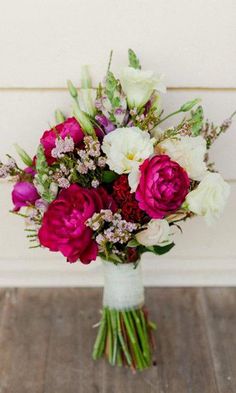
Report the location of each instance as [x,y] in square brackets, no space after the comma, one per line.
[70,127]
[63,228]
[163,186]
[24,194]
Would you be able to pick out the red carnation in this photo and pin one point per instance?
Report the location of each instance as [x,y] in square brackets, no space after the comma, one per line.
[126,200]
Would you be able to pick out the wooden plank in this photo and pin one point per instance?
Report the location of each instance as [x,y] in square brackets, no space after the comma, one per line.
[219,306]
[183,358]
[70,367]
[46,340]
[30,335]
[8,331]
[164,35]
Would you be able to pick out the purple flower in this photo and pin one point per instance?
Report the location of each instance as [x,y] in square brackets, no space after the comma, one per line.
[24,194]
[107,124]
[41,205]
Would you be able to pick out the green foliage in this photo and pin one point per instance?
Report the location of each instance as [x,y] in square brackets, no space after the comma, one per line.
[133,60]
[42,178]
[158,250]
[196,120]
[111,86]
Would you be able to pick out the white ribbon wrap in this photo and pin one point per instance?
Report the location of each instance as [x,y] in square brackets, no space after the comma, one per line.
[123,286]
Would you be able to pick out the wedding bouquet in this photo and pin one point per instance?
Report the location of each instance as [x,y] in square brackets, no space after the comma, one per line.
[112,181]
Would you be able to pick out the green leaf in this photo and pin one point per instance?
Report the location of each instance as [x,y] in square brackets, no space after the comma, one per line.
[163,250]
[133,60]
[189,105]
[196,120]
[114,258]
[26,159]
[158,250]
[133,243]
[109,176]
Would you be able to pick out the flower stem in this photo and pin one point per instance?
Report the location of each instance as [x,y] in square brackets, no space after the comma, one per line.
[124,338]
[100,340]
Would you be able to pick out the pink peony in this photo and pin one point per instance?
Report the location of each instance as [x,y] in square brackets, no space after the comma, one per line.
[163,186]
[24,194]
[70,127]
[63,228]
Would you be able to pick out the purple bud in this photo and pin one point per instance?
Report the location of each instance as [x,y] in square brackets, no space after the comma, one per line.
[30,171]
[24,194]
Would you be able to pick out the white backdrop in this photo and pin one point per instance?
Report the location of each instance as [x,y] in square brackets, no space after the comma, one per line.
[44,42]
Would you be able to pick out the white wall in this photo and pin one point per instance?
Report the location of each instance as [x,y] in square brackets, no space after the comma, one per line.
[44,42]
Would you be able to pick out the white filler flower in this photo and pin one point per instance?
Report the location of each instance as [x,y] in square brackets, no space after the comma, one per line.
[126,148]
[139,85]
[156,234]
[209,198]
[189,152]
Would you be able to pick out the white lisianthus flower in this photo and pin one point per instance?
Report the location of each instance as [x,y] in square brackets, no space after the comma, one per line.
[156,234]
[189,152]
[209,198]
[139,85]
[126,149]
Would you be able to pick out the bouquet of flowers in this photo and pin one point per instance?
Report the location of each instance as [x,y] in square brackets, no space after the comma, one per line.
[111,181]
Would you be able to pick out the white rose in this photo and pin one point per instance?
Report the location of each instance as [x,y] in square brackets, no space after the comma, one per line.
[189,152]
[139,85]
[209,198]
[127,148]
[156,234]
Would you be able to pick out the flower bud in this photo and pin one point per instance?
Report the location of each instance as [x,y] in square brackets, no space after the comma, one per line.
[86,98]
[72,89]
[26,159]
[60,118]
[83,120]
[157,233]
[86,81]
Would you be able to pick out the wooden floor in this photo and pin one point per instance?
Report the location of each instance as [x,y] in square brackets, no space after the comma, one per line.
[46,338]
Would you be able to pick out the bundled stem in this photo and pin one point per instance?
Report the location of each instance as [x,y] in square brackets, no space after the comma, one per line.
[125,338]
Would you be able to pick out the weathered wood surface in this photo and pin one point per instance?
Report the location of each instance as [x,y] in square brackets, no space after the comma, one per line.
[46,338]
